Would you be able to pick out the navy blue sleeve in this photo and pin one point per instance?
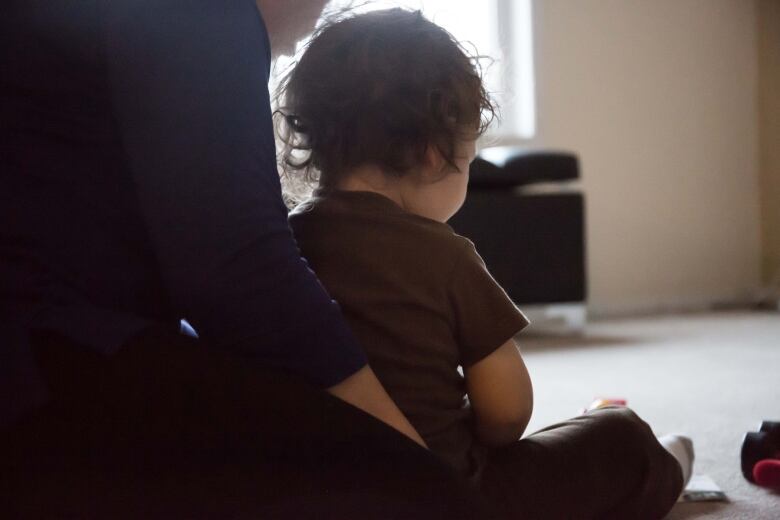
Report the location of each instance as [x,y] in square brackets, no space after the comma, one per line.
[189,89]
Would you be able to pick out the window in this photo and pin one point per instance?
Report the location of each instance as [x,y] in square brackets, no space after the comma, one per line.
[498,29]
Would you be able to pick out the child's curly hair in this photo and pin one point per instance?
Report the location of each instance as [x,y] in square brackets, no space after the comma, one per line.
[378,88]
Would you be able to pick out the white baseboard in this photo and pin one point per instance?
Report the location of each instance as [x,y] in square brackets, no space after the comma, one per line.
[677,305]
[571,317]
[557,317]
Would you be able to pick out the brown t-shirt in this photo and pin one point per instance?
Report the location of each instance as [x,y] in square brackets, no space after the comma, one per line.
[419,299]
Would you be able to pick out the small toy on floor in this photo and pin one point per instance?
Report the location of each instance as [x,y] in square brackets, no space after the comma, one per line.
[601,402]
[761,455]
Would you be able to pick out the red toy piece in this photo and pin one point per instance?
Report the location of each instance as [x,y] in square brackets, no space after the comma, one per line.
[766,473]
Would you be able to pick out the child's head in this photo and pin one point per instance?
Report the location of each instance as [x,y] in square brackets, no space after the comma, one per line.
[384,89]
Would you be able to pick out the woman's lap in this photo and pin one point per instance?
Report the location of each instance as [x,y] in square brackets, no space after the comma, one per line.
[168,427]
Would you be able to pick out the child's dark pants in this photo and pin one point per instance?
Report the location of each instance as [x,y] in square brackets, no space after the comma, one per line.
[605,464]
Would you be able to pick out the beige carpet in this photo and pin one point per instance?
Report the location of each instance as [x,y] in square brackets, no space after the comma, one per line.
[713,376]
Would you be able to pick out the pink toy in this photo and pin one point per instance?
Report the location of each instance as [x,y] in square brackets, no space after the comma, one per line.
[601,402]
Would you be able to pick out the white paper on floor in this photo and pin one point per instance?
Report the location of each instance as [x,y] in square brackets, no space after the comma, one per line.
[702,488]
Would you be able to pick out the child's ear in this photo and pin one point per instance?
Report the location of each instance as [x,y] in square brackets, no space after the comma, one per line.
[435,164]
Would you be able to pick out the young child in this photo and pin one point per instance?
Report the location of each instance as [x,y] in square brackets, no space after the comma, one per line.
[382,113]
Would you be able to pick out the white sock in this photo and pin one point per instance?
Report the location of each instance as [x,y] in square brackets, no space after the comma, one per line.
[681,447]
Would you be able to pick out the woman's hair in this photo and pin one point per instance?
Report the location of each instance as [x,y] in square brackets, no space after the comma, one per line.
[378,88]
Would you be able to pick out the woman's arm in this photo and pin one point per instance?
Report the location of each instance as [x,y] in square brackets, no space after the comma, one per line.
[188,84]
[501,395]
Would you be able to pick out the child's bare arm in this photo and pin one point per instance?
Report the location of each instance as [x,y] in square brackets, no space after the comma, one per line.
[501,395]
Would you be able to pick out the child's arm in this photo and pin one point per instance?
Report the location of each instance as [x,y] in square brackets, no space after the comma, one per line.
[501,395]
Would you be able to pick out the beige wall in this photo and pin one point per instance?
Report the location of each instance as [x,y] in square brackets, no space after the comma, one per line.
[659,99]
[769,120]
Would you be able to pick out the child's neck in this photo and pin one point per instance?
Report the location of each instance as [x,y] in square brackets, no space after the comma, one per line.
[373,179]
[414,192]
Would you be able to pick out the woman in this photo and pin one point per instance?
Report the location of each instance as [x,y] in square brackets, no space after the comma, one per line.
[139,187]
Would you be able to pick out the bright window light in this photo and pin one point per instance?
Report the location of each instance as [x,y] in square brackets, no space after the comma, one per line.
[522,83]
